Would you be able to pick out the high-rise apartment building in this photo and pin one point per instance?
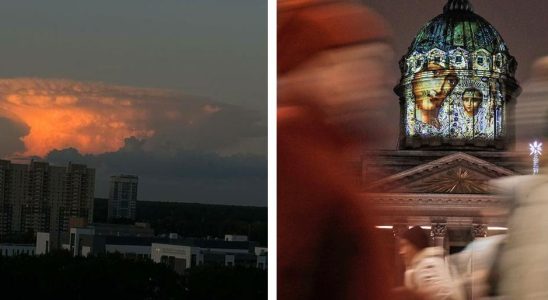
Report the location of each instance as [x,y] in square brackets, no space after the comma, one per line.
[42,198]
[122,202]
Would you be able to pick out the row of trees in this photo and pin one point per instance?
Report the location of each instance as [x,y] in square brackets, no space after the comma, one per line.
[201,220]
[196,220]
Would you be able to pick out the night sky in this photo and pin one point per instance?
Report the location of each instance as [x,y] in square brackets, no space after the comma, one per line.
[522,24]
[172,91]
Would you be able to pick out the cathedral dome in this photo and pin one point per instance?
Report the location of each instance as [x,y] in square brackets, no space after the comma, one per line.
[457,88]
[463,38]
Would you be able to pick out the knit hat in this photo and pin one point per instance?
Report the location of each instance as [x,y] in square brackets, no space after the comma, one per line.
[314,26]
[417,236]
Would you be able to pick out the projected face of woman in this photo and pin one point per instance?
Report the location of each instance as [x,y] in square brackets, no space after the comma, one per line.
[430,89]
[471,100]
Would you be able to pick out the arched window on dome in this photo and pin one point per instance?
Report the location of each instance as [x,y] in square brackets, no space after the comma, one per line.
[416,62]
[437,57]
[458,58]
[500,63]
[481,60]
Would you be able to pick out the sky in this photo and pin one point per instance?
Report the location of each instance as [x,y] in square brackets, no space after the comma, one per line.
[172,91]
[522,25]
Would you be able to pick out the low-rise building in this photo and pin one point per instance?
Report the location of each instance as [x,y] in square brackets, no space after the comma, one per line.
[138,242]
[8,249]
[185,254]
[43,243]
[235,238]
[262,257]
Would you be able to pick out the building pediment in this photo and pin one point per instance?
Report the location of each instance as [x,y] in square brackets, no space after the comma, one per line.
[458,173]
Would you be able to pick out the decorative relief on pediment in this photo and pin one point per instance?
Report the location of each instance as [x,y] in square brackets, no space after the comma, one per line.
[457,180]
[458,173]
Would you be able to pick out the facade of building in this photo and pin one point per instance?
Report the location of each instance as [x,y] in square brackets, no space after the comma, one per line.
[457,94]
[262,257]
[43,243]
[138,242]
[106,238]
[122,202]
[42,198]
[185,254]
[235,238]
[8,249]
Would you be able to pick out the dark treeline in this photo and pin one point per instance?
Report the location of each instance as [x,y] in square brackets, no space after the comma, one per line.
[198,220]
[60,276]
[201,220]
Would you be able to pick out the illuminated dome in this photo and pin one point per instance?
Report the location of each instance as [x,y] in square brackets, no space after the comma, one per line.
[457,86]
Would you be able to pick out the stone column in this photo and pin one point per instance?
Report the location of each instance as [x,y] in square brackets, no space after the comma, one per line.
[438,232]
[479,230]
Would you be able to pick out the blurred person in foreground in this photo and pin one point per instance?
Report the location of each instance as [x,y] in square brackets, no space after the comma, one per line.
[332,57]
[513,266]
[426,272]
[476,266]
[523,267]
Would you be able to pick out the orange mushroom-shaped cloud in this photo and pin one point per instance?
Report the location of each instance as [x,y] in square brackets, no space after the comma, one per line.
[93,117]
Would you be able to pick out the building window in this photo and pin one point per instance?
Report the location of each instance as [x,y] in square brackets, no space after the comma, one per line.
[458,59]
[480,60]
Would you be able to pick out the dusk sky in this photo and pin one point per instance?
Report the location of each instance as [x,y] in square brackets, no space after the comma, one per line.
[172,91]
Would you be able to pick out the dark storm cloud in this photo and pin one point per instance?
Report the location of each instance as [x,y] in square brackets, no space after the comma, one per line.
[189,176]
[213,48]
[11,133]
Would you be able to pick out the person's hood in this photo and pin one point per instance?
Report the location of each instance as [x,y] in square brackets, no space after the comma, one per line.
[428,252]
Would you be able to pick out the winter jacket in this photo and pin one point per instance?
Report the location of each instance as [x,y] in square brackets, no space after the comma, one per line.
[429,274]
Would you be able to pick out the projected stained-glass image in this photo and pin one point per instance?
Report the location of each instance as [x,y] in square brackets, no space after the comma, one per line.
[456,81]
[450,103]
[430,89]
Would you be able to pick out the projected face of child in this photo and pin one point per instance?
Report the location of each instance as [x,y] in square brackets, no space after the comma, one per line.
[471,100]
[430,88]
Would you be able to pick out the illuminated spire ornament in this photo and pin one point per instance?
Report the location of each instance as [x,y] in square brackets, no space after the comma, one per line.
[456,5]
[536,151]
